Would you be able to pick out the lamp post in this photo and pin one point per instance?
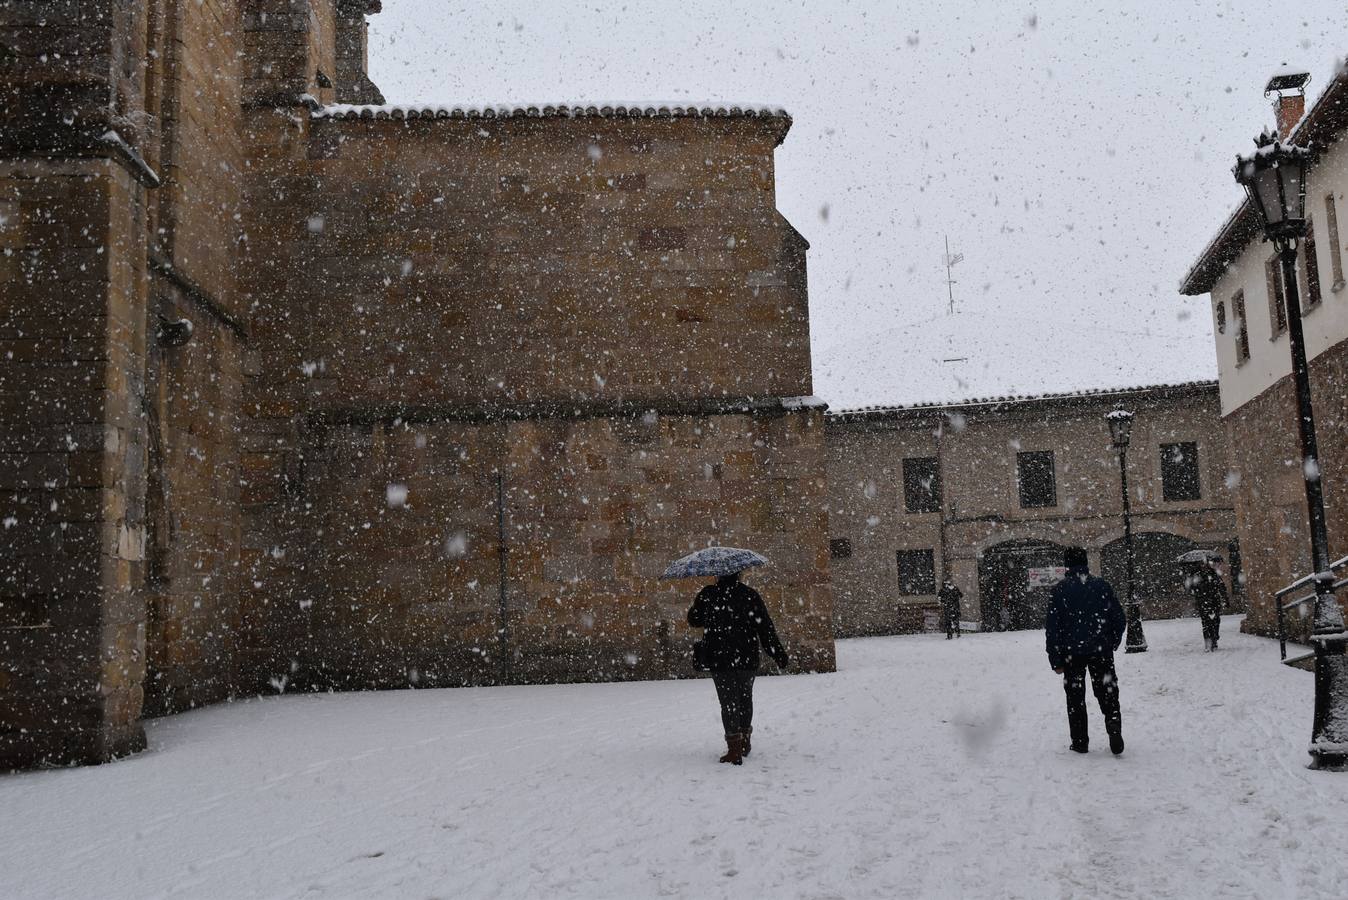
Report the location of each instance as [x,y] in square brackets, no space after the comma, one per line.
[1274,176]
[1120,431]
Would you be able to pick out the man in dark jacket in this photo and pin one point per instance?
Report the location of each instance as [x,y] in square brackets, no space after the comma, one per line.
[736,622]
[1084,627]
[1209,593]
[950,597]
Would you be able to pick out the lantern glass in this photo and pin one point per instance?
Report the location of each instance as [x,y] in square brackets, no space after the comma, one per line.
[1264,190]
[1292,172]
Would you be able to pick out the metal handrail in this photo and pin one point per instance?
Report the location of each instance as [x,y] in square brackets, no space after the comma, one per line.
[1282,621]
[1300,601]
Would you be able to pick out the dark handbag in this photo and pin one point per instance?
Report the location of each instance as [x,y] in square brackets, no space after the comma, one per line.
[701,656]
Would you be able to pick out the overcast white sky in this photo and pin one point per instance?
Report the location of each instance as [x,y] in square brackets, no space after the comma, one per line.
[1078,157]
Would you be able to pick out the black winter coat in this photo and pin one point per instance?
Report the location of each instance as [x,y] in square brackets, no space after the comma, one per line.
[1209,592]
[1084,618]
[736,622]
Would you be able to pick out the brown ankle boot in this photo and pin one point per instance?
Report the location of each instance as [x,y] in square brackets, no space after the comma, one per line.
[734,753]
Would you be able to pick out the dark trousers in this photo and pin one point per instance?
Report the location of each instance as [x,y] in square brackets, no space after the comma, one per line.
[1212,625]
[951,621]
[735,691]
[1106,685]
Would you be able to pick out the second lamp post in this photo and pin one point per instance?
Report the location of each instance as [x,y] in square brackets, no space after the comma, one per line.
[1120,431]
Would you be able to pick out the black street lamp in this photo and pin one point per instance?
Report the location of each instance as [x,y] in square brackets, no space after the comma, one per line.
[1274,176]
[1120,431]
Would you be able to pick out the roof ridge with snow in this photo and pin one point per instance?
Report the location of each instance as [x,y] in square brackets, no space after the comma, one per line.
[558,111]
[1021,398]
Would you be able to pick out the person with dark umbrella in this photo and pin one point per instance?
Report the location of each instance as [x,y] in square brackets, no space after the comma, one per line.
[1084,627]
[735,622]
[950,597]
[1209,592]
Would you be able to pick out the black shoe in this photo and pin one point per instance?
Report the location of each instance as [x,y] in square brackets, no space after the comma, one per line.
[1080,748]
[1116,744]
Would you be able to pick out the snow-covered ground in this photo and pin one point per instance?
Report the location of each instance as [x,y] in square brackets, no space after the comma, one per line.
[923,768]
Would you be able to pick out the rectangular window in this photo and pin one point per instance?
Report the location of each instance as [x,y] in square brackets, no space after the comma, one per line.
[1335,249]
[921,485]
[1179,471]
[1242,331]
[840,548]
[1221,318]
[1310,270]
[1277,303]
[917,573]
[1038,484]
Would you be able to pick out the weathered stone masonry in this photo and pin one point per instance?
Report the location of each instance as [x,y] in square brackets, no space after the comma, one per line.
[599,308]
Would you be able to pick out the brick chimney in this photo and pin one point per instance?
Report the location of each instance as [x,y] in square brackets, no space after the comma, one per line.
[1290,87]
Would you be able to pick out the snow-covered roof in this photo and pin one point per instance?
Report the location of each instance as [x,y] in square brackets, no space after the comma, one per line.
[863,411]
[1321,125]
[560,111]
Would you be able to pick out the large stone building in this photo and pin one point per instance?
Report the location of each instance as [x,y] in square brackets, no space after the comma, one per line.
[457,382]
[989,493]
[1258,402]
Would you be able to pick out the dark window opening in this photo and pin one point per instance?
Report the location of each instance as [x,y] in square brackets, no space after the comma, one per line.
[1242,330]
[921,485]
[1221,318]
[1179,471]
[917,572]
[840,548]
[1038,483]
[1311,268]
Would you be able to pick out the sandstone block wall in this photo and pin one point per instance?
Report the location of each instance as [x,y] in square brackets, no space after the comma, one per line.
[508,291]
[390,574]
[185,521]
[72,458]
[1270,498]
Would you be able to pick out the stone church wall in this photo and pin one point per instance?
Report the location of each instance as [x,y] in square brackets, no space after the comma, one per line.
[602,310]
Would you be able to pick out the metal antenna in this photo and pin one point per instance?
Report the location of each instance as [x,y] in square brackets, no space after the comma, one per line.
[949,280]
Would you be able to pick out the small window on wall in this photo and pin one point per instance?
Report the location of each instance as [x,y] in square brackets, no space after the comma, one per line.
[1277,303]
[1037,479]
[917,573]
[840,548]
[1179,471]
[921,485]
[1242,328]
[1310,269]
[1335,249]
[1221,318]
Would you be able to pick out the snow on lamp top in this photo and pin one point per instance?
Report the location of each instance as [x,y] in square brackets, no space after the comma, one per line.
[1274,176]
[1120,426]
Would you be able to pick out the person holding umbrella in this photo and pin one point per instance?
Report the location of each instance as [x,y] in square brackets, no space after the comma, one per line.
[735,623]
[1209,592]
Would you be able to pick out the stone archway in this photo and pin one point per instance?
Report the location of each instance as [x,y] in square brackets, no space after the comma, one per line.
[1007,600]
[1158,579]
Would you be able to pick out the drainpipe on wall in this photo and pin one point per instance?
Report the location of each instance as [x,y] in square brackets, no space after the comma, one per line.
[503,631]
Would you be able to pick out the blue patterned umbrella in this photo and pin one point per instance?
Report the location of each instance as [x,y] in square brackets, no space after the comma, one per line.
[714,561]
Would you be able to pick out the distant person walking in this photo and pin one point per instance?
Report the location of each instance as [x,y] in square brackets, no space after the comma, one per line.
[1209,592]
[1084,627]
[736,622]
[950,597]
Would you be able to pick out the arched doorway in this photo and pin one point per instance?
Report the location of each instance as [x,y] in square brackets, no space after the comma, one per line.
[1158,579]
[1006,599]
